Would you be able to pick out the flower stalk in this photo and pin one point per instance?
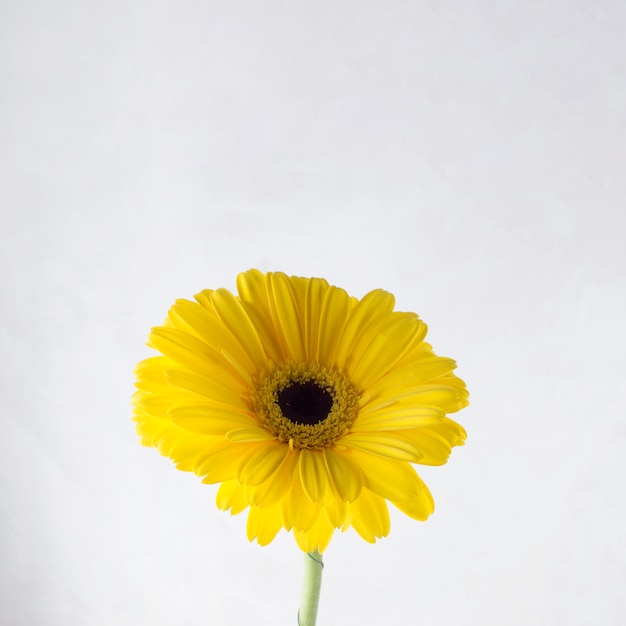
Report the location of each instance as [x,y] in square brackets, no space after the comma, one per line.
[309,601]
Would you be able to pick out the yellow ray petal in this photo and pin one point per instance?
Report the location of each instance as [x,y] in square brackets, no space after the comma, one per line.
[400,380]
[166,438]
[222,461]
[209,419]
[397,417]
[230,495]
[386,348]
[443,396]
[274,488]
[148,428]
[288,314]
[435,443]
[186,451]
[157,362]
[315,538]
[456,383]
[392,445]
[338,514]
[367,313]
[314,298]
[296,510]
[152,369]
[346,477]
[154,406]
[229,391]
[451,431]
[263,524]
[333,318]
[437,396]
[420,508]
[253,292]
[314,476]
[235,318]
[261,462]
[154,385]
[187,350]
[207,326]
[391,479]
[370,516]
[254,433]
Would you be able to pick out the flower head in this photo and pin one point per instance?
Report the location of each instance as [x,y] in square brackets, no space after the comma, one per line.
[307,405]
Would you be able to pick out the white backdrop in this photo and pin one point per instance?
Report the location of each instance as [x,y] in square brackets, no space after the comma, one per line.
[467,156]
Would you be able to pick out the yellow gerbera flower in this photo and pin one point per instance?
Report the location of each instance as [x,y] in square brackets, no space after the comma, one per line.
[307,405]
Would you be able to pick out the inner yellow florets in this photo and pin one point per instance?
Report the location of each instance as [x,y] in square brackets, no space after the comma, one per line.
[306,404]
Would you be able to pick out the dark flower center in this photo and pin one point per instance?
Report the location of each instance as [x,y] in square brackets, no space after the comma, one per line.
[305,403]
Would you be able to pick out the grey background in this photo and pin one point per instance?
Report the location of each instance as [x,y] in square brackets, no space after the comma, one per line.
[467,156]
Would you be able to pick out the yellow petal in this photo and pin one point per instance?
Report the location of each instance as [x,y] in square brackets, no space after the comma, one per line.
[452,432]
[443,396]
[370,516]
[222,462]
[252,287]
[154,385]
[234,317]
[397,417]
[186,349]
[391,479]
[148,428]
[400,381]
[296,510]
[152,369]
[153,362]
[333,318]
[207,326]
[386,348]
[459,385]
[289,315]
[253,433]
[345,475]
[230,495]
[314,476]
[154,406]
[209,419]
[338,514]
[263,524]
[393,445]
[367,313]
[253,293]
[420,508]
[187,451]
[314,298]
[274,488]
[261,462]
[184,449]
[435,443]
[315,538]
[228,391]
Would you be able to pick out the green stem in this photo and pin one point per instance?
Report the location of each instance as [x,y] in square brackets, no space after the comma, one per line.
[313,566]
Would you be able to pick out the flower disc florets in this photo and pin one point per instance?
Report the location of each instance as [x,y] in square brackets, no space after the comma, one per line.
[306,404]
